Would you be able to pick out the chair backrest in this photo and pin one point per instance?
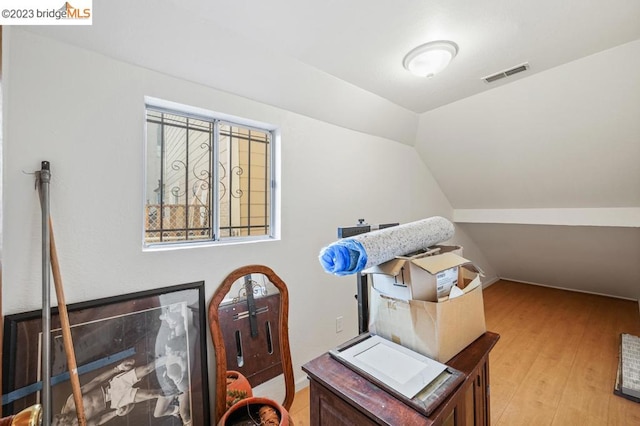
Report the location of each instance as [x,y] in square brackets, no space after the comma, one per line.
[248,320]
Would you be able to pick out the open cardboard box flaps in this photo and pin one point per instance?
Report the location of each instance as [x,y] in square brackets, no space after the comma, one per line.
[423,277]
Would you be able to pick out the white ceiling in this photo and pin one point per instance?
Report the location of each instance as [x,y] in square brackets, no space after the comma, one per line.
[360,42]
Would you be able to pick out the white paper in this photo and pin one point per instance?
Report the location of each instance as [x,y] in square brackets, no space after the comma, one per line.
[455,292]
[400,368]
[390,362]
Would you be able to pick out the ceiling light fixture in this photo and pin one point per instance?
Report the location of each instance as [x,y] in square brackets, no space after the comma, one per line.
[430,58]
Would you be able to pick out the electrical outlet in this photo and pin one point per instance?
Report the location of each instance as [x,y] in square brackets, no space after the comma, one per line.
[339,324]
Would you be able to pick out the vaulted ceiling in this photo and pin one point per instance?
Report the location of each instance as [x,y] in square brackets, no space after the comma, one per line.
[359,42]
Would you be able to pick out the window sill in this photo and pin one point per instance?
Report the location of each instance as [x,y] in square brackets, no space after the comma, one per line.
[200,244]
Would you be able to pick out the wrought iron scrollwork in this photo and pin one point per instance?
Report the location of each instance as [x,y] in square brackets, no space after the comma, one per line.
[176,190]
[259,290]
[238,171]
[202,184]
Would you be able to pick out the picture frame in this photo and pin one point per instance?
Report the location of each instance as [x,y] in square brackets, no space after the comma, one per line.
[141,358]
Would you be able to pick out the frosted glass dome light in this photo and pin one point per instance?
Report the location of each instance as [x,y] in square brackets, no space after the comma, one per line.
[430,58]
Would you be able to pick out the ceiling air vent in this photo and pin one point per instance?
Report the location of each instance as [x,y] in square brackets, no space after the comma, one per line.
[506,73]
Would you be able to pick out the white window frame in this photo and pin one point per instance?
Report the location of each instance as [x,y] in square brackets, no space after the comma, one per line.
[217,117]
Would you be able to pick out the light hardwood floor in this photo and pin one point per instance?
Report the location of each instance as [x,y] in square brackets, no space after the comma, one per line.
[556,360]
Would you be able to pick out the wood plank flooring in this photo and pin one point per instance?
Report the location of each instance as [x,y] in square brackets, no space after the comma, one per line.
[556,360]
[300,408]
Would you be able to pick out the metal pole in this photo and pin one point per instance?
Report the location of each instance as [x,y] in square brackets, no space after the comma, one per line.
[363,303]
[44,177]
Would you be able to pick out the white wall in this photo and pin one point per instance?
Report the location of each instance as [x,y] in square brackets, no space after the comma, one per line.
[85,114]
[543,172]
[568,137]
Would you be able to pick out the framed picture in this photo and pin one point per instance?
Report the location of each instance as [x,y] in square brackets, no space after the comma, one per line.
[141,359]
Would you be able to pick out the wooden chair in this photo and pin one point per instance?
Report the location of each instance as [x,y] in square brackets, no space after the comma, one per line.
[248,320]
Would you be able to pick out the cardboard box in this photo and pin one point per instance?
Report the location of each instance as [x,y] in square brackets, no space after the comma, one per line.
[420,277]
[438,330]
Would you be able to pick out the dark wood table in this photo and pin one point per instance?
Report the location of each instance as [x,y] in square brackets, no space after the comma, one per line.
[340,396]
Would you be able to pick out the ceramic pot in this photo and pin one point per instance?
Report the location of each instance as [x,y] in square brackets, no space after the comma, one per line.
[238,387]
[30,416]
[249,409]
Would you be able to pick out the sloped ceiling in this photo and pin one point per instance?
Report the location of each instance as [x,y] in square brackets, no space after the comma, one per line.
[363,42]
[564,138]
[342,61]
[601,260]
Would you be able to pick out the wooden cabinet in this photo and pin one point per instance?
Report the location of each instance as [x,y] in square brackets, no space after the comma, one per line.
[339,396]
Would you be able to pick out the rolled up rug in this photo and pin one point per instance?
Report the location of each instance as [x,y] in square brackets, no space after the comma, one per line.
[351,255]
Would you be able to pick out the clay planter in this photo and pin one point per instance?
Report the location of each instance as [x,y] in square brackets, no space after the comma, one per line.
[238,388]
[30,416]
[248,411]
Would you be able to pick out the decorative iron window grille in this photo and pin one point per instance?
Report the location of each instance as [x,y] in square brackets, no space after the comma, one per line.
[182,203]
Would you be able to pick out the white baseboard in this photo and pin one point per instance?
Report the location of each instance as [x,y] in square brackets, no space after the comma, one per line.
[571,289]
[302,383]
[490,281]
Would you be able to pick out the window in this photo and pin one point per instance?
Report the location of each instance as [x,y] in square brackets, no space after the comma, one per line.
[208,178]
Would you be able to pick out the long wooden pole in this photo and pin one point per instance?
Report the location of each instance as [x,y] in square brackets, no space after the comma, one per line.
[66,330]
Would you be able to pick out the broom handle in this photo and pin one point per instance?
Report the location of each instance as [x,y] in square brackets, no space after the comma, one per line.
[66,331]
